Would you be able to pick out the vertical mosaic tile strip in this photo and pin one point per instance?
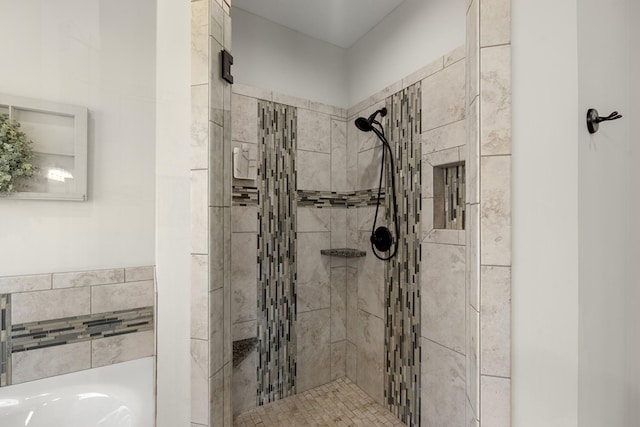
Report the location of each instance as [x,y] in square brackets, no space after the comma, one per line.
[454,197]
[402,320]
[5,339]
[276,251]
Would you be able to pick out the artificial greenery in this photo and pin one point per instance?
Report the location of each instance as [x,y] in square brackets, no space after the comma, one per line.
[15,155]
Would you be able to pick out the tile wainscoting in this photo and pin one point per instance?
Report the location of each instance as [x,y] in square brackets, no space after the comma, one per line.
[57,323]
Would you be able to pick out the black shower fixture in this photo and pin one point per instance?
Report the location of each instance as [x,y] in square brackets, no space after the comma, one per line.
[366,125]
[381,238]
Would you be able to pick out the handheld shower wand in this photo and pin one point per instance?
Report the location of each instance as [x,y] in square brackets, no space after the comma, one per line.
[381,238]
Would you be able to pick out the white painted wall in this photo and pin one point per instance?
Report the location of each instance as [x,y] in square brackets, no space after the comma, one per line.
[100,54]
[173,214]
[270,56]
[608,395]
[546,124]
[410,37]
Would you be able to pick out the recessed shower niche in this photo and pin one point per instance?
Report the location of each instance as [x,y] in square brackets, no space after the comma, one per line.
[449,196]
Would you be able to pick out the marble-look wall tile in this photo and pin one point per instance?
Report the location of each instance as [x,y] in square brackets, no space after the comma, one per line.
[314,349]
[199,42]
[88,278]
[443,384]
[217,172]
[251,91]
[312,219]
[370,359]
[137,274]
[244,219]
[495,318]
[216,394]
[122,296]
[473,256]
[472,47]
[199,382]
[338,228]
[472,165]
[443,97]
[495,210]
[218,102]
[371,280]
[282,98]
[244,330]
[338,360]
[48,362]
[332,110]
[352,156]
[352,355]
[445,137]
[495,100]
[353,330]
[199,296]
[387,92]
[314,272]
[454,56]
[473,359]
[199,126]
[339,156]
[199,211]
[443,295]
[472,420]
[314,131]
[369,168]
[122,348]
[424,72]
[244,384]
[245,277]
[495,401]
[36,282]
[219,342]
[52,304]
[219,247]
[314,171]
[495,21]
[368,140]
[338,304]
[244,119]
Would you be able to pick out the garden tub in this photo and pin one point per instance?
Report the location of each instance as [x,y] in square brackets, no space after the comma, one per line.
[120,395]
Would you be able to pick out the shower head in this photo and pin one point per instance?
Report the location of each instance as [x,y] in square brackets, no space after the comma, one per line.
[366,125]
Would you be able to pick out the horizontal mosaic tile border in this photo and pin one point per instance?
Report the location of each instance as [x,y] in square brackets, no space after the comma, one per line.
[248,196]
[50,333]
[5,334]
[244,196]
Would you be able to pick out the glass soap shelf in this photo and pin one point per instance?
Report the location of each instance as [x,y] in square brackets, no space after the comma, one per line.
[344,252]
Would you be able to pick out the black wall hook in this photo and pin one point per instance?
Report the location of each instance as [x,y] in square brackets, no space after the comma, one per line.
[594,120]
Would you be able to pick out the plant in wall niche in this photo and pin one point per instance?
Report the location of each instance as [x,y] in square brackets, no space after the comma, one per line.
[15,155]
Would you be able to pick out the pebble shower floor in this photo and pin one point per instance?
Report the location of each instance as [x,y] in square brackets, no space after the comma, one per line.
[338,403]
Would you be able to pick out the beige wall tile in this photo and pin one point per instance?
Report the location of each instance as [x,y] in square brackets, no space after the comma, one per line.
[122,296]
[472,165]
[217,323]
[244,330]
[495,210]
[136,274]
[454,56]
[370,359]
[53,304]
[314,272]
[122,348]
[244,384]
[339,156]
[48,362]
[495,401]
[217,395]
[473,359]
[495,100]
[445,137]
[495,318]
[244,270]
[472,47]
[495,22]
[369,168]
[251,91]
[199,126]
[371,279]
[353,330]
[443,97]
[314,131]
[338,304]
[473,255]
[244,125]
[352,354]
[443,295]
[244,219]
[12,284]
[199,211]
[199,382]
[281,98]
[88,278]
[424,72]
[338,359]
[314,349]
[443,384]
[368,140]
[199,296]
[199,42]
[312,219]
[314,170]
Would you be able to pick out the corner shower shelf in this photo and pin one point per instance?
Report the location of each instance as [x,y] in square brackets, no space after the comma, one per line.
[344,252]
[242,348]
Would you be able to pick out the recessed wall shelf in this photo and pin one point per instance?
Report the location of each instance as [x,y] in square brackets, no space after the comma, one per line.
[449,196]
[344,253]
[59,135]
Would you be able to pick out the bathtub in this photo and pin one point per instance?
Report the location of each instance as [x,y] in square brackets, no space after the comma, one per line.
[119,395]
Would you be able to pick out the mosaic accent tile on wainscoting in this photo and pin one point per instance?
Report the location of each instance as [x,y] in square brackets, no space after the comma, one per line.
[277,137]
[402,330]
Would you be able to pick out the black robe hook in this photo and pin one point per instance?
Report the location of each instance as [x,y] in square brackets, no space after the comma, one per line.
[594,120]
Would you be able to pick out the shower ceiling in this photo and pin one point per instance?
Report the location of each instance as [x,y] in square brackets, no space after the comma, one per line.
[340,22]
